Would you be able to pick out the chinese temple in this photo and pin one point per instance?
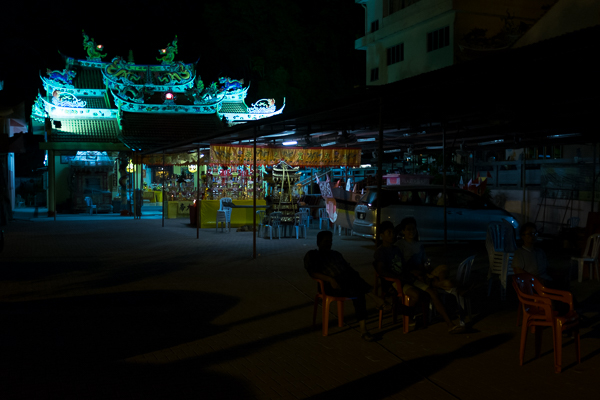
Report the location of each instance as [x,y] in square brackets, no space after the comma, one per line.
[98,109]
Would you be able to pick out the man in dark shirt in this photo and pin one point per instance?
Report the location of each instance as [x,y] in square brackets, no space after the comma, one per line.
[340,279]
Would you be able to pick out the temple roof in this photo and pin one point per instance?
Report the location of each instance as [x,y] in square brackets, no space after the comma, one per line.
[88,78]
[231,107]
[86,130]
[145,130]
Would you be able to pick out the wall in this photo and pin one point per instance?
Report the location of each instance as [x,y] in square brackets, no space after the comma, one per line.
[549,215]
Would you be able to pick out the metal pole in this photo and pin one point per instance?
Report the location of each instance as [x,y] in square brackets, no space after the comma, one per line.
[254,232]
[133,185]
[524,183]
[444,189]
[163,190]
[198,195]
[379,172]
[594,178]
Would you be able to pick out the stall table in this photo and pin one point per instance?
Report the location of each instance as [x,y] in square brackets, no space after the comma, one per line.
[242,212]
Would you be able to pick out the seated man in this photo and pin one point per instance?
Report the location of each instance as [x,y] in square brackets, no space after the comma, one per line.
[340,279]
[389,263]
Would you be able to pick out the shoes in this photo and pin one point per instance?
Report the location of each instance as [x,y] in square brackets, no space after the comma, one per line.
[456,329]
[367,337]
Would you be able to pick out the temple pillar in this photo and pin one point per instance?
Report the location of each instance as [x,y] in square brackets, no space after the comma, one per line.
[51,184]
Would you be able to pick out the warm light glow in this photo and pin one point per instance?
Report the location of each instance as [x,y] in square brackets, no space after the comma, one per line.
[192,168]
[130,167]
[169,96]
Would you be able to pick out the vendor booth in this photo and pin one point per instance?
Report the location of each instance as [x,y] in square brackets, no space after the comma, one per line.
[191,185]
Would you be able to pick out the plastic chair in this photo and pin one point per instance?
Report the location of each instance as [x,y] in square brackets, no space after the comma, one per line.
[403,300]
[274,224]
[463,274]
[323,217]
[19,202]
[592,248]
[224,218]
[307,211]
[224,200]
[260,220]
[536,302]
[301,223]
[501,245]
[90,205]
[326,301]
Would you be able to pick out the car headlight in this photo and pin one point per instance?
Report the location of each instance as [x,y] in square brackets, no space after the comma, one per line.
[512,221]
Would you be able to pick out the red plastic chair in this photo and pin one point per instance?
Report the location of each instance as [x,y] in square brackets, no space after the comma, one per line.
[404,301]
[326,301]
[536,301]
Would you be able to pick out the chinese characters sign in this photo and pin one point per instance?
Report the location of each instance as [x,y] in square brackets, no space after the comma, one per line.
[294,156]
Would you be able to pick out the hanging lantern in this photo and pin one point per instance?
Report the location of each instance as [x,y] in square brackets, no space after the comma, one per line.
[192,168]
[130,167]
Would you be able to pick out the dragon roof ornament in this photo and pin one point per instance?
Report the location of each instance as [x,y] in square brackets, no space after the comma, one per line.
[93,50]
[211,106]
[43,107]
[168,53]
[176,77]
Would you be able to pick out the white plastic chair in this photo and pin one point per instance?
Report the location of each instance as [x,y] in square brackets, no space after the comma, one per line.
[90,204]
[592,248]
[323,216]
[501,245]
[301,223]
[274,223]
[224,218]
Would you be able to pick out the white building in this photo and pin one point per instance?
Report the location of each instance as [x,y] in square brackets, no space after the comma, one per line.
[404,38]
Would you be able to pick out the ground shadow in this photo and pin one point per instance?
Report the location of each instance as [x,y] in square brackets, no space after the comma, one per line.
[401,376]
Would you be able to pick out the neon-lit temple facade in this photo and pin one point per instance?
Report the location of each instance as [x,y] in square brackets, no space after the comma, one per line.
[96,114]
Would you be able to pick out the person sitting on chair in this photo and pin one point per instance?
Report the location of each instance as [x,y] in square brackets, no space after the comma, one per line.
[415,258]
[389,263]
[529,258]
[340,279]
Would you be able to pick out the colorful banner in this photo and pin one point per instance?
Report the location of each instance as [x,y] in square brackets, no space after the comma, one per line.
[294,156]
[170,159]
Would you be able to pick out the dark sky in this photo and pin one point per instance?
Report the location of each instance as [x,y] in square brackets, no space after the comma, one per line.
[306,48]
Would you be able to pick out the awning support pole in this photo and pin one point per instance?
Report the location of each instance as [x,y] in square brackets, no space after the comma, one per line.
[379,173]
[254,232]
[198,194]
[163,190]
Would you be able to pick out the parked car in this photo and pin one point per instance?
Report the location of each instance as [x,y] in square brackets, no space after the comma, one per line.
[468,214]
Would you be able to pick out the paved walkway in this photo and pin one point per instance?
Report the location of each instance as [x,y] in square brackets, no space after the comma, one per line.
[127,309]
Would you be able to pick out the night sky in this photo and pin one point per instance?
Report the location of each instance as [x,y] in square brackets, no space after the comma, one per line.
[297,49]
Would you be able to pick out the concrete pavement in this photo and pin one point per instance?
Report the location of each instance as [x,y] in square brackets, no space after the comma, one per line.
[102,308]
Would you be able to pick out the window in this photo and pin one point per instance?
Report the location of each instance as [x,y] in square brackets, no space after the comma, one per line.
[374,26]
[467,200]
[438,39]
[395,54]
[391,6]
[374,74]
